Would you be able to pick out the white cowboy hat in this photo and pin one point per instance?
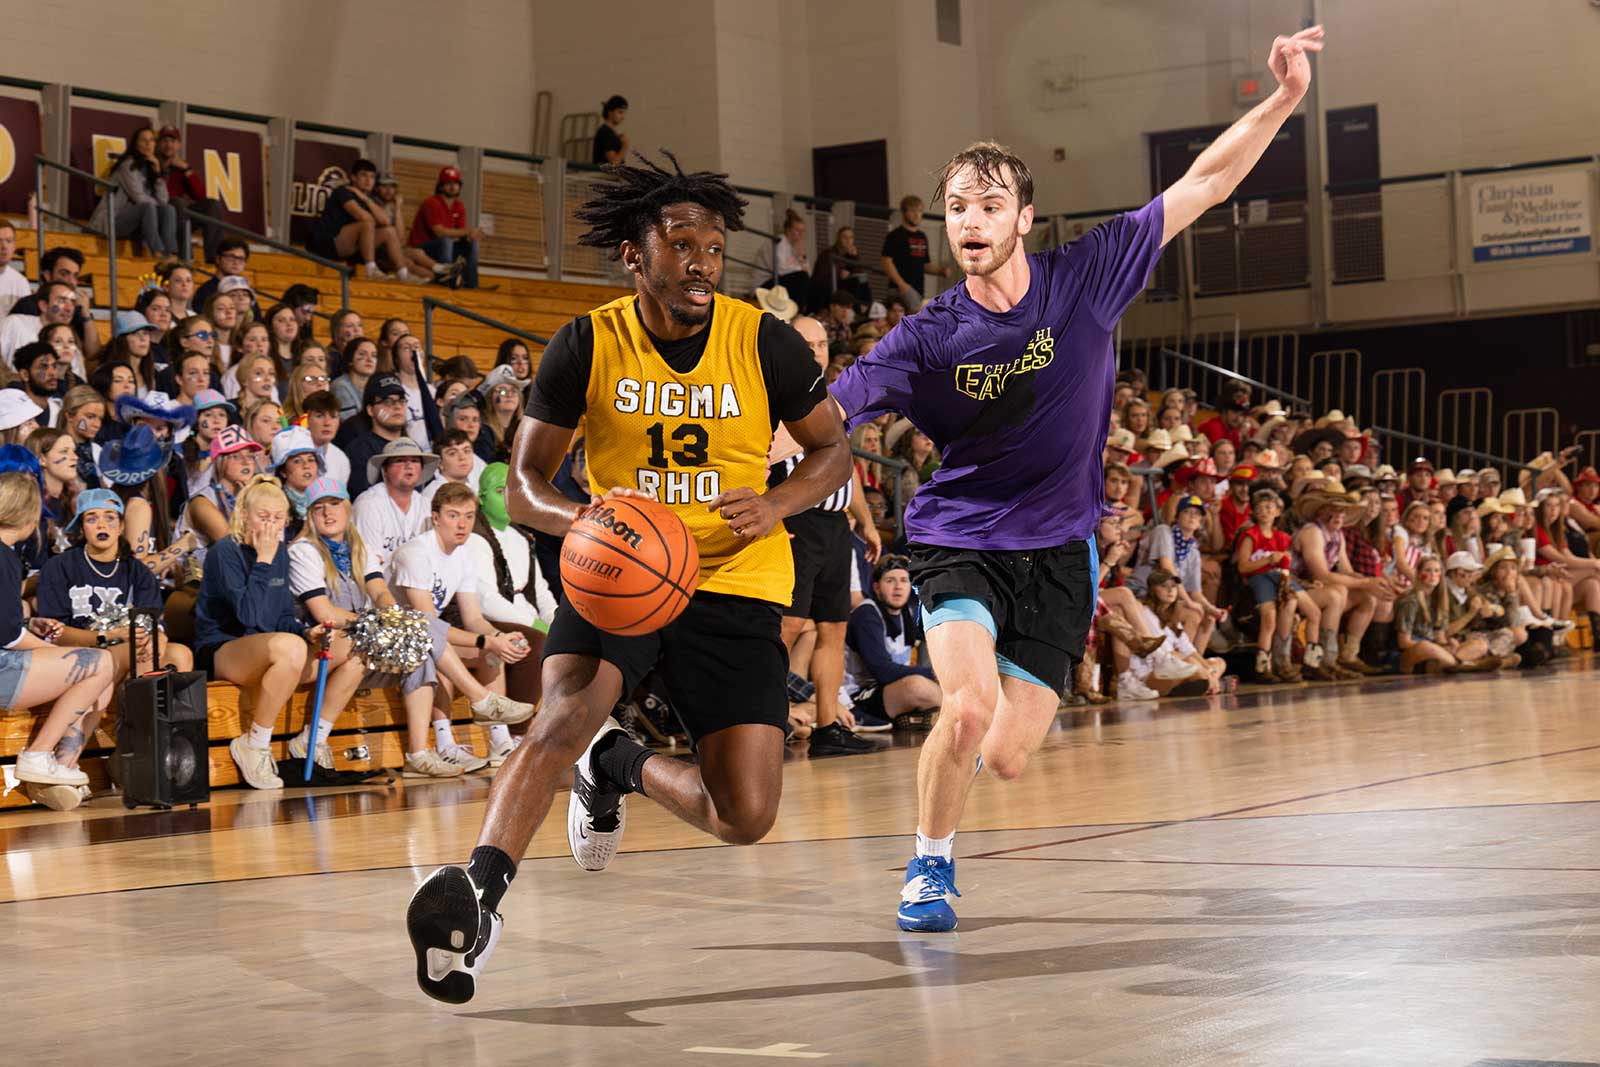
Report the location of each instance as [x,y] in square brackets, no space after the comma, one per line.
[777,301]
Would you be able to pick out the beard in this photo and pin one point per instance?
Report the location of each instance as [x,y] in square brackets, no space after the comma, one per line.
[670,297]
[996,257]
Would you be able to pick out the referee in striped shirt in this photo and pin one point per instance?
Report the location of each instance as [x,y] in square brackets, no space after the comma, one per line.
[820,541]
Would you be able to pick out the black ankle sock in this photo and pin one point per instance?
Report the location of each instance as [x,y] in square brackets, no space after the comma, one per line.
[620,760]
[491,870]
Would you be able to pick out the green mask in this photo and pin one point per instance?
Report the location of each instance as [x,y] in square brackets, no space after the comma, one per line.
[492,495]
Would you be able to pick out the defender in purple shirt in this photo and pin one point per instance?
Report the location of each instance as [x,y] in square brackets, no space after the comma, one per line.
[1011,374]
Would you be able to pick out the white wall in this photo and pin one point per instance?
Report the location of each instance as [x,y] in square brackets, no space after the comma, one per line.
[464,75]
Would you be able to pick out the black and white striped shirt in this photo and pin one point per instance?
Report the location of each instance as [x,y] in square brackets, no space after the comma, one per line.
[838,500]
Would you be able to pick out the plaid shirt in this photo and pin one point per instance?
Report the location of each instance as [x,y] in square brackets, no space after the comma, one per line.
[1364,558]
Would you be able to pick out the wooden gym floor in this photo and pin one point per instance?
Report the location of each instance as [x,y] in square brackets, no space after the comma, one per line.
[1397,873]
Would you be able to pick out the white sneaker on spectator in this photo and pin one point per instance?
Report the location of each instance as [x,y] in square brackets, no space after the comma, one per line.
[459,755]
[1130,688]
[498,754]
[373,274]
[297,749]
[41,768]
[256,765]
[428,764]
[498,708]
[1169,667]
[57,797]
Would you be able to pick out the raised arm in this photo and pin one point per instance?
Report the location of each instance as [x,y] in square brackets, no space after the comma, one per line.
[1220,168]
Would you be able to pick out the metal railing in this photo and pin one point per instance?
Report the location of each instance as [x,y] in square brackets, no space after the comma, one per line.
[40,162]
[430,303]
[186,242]
[897,506]
[1478,456]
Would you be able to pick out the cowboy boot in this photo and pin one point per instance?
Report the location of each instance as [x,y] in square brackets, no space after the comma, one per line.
[1284,670]
[1083,684]
[1123,631]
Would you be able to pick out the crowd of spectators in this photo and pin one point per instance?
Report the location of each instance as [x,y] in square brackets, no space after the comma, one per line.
[253,477]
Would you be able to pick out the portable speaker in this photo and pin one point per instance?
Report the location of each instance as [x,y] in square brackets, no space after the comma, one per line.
[162,738]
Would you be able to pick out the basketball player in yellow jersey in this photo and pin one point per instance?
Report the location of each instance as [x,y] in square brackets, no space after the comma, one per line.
[682,389]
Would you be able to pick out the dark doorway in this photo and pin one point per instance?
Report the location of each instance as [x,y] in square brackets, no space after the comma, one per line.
[1354,199]
[858,172]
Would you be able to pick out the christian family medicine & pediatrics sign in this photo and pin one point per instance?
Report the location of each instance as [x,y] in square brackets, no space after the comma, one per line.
[1530,213]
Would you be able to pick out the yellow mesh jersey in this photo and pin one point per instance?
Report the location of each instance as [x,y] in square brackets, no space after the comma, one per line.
[688,437]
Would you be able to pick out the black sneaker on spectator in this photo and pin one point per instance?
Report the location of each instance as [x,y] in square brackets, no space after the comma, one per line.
[918,720]
[834,740]
[868,723]
[800,690]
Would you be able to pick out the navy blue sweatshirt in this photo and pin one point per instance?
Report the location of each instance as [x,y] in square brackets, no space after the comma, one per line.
[239,596]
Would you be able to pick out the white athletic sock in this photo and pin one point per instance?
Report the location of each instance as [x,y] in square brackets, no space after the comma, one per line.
[939,848]
[260,736]
[324,729]
[499,734]
[442,737]
[372,265]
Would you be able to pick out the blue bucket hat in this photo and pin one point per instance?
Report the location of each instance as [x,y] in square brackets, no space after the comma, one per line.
[132,322]
[91,500]
[154,405]
[135,459]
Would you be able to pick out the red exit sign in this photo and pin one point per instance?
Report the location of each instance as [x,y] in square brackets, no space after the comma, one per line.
[1248,90]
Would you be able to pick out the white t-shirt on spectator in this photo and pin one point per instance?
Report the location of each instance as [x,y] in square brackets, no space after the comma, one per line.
[478,467]
[338,463]
[422,564]
[519,562]
[13,287]
[384,527]
[308,575]
[416,425]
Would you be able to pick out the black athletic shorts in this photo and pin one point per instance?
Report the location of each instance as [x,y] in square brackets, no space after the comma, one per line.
[723,660]
[822,561]
[1040,602]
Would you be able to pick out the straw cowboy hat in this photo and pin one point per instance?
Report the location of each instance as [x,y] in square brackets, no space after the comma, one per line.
[1156,441]
[1120,439]
[1330,493]
[1514,497]
[1332,418]
[777,301]
[1494,506]
[1175,454]
[1181,433]
[1270,410]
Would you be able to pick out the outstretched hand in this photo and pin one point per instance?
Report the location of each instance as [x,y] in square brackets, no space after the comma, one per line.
[1288,61]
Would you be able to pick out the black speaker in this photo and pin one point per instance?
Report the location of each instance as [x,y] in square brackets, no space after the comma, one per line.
[163,741]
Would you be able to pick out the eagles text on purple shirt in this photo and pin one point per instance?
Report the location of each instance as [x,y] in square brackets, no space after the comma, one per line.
[1017,403]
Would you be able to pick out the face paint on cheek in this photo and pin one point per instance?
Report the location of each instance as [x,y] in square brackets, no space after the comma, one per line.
[83,425]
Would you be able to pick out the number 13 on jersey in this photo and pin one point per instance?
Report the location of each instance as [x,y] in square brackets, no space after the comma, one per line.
[685,445]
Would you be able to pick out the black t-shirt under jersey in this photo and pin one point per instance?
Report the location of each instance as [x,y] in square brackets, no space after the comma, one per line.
[561,385]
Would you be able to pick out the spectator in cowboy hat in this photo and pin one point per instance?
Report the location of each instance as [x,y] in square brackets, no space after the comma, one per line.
[1386,479]
[1121,446]
[1155,444]
[1357,476]
[776,301]
[1445,483]
[441,231]
[1350,450]
[1467,485]
[1233,513]
[1586,503]
[1336,596]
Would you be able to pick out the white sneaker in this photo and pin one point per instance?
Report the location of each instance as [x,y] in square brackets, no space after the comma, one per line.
[58,797]
[373,274]
[256,765]
[297,749]
[498,708]
[596,812]
[459,755]
[41,768]
[1170,668]
[498,754]
[1130,688]
[428,764]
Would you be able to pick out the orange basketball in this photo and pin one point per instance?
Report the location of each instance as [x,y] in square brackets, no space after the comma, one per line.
[629,566]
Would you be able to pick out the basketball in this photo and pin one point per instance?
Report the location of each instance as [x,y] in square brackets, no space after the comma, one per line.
[629,566]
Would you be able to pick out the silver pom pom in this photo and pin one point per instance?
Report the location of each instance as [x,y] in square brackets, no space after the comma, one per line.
[393,640]
[110,619]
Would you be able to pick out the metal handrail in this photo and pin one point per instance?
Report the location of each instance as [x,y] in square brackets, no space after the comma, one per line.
[1399,435]
[184,241]
[40,162]
[429,303]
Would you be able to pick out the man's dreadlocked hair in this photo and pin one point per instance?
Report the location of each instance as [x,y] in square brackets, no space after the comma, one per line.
[622,210]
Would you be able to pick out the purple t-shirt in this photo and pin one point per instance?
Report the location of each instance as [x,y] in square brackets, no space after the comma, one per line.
[1017,403]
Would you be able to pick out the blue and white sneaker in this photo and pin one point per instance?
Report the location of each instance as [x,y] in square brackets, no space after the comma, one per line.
[923,908]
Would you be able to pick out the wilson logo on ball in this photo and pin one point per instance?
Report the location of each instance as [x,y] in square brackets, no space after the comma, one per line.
[606,518]
[629,566]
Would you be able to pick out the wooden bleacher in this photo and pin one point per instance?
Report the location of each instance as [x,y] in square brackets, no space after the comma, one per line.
[375,720]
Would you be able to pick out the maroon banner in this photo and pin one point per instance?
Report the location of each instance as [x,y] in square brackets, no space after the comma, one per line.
[20,140]
[97,138]
[233,167]
[319,168]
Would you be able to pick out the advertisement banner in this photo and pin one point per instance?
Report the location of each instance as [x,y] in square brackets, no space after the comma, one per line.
[319,168]
[20,141]
[97,138]
[232,165]
[1530,213]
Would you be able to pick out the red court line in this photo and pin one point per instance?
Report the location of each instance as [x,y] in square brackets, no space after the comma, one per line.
[1290,800]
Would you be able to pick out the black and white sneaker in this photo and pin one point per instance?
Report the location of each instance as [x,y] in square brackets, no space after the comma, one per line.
[595,811]
[451,933]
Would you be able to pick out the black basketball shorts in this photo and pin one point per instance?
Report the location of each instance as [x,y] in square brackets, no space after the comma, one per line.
[723,660]
[820,543]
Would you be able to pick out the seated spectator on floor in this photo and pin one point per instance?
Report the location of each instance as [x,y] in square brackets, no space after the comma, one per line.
[57,303]
[88,583]
[75,681]
[440,230]
[1554,551]
[391,512]
[1176,549]
[38,378]
[884,630]
[432,573]
[143,209]
[1408,542]
[354,226]
[1499,584]
[1177,667]
[1430,627]
[332,577]
[1262,556]
[1343,598]
[248,629]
